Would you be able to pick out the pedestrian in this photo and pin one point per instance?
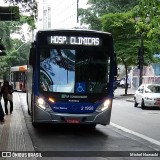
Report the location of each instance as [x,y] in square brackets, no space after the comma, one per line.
[6,92]
[1,109]
[1,113]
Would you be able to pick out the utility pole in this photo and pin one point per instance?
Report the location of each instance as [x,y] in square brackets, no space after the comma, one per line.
[141,61]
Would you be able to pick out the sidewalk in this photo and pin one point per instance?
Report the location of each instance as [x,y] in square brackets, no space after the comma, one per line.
[14,135]
[120,94]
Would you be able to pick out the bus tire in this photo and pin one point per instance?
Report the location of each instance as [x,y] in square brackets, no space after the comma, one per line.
[89,126]
[34,124]
[29,113]
[92,126]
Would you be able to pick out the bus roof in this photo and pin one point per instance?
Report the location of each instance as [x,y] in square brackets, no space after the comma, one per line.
[74,30]
[19,68]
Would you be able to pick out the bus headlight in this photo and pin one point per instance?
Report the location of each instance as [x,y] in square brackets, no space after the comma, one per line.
[105,105]
[40,102]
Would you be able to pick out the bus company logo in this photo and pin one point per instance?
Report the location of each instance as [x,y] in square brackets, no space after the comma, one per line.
[64,96]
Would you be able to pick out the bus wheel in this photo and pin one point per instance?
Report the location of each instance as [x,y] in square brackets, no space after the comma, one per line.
[92,126]
[34,124]
[29,112]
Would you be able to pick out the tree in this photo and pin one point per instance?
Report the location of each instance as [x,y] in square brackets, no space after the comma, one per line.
[18,55]
[97,8]
[148,12]
[111,6]
[14,56]
[29,6]
[5,34]
[147,17]
[122,27]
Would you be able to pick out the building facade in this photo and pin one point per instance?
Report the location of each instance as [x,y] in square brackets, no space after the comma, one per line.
[57,14]
[151,74]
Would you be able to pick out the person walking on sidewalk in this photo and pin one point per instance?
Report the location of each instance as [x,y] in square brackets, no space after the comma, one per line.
[6,92]
[1,109]
[1,113]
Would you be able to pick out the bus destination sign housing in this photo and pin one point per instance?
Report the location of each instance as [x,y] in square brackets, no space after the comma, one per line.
[74,40]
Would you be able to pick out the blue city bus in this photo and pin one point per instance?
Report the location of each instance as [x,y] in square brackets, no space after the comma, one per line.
[70,77]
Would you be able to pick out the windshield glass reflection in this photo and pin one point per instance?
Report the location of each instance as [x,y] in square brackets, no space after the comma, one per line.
[74,71]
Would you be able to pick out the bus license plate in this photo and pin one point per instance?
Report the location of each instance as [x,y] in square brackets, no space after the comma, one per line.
[73,121]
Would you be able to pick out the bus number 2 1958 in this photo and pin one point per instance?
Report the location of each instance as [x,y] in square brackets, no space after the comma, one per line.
[87,108]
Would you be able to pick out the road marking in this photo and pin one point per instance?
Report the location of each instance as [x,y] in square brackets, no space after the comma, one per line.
[136,134]
[152,113]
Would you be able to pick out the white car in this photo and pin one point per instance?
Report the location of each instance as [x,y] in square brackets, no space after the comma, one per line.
[147,95]
[123,82]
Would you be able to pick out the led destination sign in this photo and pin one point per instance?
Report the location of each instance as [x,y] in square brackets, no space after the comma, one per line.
[74,40]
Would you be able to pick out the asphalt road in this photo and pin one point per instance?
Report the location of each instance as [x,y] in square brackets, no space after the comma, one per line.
[102,139]
[145,122]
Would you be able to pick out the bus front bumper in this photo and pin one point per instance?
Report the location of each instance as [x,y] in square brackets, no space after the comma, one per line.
[42,116]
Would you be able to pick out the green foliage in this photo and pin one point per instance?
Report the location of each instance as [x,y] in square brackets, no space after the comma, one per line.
[19,54]
[5,30]
[111,6]
[97,8]
[148,12]
[29,6]
[88,18]
[16,56]
[121,25]
[127,42]
[29,20]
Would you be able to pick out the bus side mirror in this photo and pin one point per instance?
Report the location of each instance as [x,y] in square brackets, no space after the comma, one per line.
[32,56]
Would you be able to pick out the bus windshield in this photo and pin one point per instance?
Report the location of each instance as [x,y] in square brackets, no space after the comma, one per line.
[74,70]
